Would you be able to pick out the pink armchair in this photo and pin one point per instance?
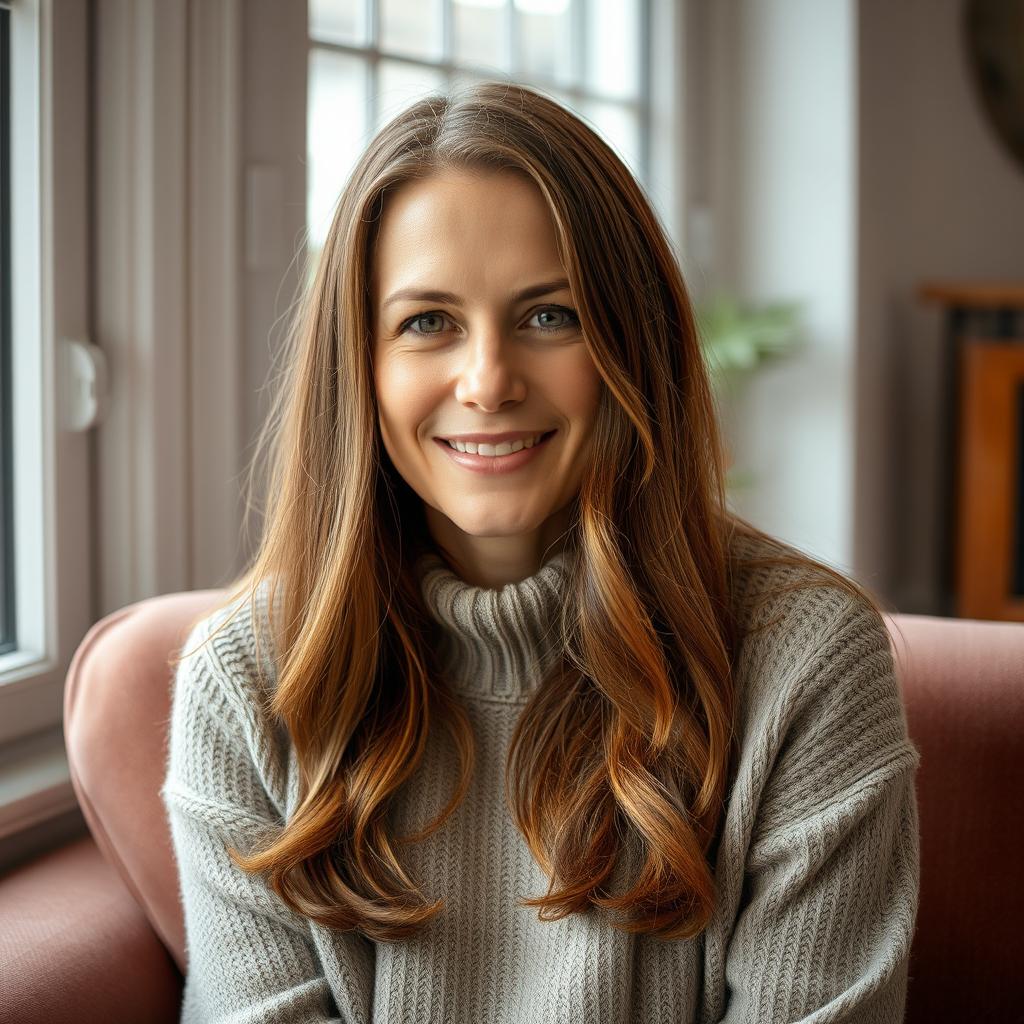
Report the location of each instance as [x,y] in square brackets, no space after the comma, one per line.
[94,931]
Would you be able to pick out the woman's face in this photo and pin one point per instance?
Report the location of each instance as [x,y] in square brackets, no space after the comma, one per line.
[475,332]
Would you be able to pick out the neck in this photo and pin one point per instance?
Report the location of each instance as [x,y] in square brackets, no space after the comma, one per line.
[492,562]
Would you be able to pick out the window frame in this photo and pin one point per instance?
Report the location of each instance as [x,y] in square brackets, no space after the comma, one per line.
[8,616]
[659,103]
[51,480]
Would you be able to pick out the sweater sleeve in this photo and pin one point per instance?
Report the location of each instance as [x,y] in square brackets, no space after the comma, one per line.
[824,928]
[250,958]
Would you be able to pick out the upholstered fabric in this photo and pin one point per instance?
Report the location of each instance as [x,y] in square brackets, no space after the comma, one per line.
[76,948]
[116,706]
[963,685]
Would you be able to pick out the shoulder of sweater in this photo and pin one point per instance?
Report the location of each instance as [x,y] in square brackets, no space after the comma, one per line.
[227,674]
[800,594]
[820,718]
[802,640]
[237,639]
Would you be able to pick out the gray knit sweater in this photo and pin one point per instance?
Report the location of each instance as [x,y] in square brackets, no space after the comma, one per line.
[817,867]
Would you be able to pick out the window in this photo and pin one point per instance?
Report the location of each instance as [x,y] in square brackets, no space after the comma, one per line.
[368,59]
[28,678]
[45,544]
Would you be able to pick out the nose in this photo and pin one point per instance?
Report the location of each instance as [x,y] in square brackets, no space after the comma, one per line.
[488,376]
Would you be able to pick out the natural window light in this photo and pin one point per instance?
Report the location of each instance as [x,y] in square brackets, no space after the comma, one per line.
[368,59]
[45,576]
[7,639]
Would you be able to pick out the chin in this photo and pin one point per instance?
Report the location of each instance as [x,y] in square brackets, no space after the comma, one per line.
[492,526]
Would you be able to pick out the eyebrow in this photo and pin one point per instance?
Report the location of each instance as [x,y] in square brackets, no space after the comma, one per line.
[430,295]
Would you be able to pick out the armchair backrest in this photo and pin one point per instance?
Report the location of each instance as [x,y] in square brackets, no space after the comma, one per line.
[963,688]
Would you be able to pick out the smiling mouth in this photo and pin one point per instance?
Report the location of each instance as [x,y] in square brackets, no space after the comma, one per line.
[497,464]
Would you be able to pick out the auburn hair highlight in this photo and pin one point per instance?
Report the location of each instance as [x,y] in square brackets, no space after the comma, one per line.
[621,758]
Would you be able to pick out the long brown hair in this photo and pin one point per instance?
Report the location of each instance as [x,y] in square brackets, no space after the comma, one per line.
[625,750]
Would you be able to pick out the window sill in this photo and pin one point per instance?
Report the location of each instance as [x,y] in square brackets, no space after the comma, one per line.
[35,782]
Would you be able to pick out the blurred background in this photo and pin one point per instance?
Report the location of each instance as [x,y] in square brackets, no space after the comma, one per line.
[842,182]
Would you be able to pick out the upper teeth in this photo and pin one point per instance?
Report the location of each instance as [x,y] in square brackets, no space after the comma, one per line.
[505,448]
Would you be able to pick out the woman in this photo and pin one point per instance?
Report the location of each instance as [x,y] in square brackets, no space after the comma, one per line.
[534,735]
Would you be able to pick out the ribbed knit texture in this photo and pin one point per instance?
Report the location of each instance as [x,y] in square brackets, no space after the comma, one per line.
[817,867]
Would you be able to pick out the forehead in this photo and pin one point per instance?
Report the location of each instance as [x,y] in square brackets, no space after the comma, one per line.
[463,225]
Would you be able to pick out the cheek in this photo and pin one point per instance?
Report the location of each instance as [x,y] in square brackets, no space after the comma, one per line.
[405,397]
[578,385]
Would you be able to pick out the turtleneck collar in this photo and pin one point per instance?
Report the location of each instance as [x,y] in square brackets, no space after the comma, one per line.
[499,644]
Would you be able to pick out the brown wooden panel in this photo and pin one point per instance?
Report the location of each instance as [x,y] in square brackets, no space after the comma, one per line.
[984,296]
[991,374]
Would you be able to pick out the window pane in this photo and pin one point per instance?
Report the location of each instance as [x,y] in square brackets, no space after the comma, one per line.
[480,33]
[544,47]
[399,84]
[619,126]
[612,48]
[7,625]
[562,98]
[336,127]
[462,78]
[411,27]
[338,21]
[592,46]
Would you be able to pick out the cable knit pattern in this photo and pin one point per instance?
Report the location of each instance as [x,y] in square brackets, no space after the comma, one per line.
[817,867]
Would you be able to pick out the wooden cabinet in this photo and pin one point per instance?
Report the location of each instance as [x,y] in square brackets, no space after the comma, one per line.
[983,526]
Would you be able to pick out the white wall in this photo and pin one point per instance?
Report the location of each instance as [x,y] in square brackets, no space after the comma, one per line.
[780,178]
[274,155]
[845,160]
[940,199]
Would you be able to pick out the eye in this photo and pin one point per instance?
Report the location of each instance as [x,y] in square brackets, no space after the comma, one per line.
[569,318]
[436,318]
[433,322]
